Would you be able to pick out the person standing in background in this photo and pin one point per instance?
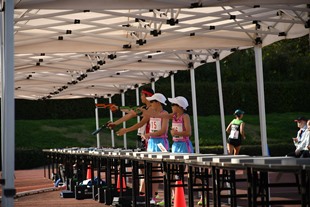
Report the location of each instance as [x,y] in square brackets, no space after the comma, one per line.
[236,133]
[299,139]
[302,149]
[302,125]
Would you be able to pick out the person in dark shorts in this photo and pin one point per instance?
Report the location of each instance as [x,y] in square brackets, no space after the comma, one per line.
[236,133]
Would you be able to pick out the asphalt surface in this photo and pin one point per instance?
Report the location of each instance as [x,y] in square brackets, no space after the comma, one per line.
[36,190]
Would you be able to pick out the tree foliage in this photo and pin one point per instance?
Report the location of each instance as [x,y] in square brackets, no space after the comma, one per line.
[286,60]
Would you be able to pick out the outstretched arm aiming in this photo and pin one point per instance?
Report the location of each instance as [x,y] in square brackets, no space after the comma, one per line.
[130,113]
[123,131]
[124,118]
[101,128]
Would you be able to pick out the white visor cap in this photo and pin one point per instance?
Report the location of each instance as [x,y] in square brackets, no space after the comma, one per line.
[179,100]
[157,97]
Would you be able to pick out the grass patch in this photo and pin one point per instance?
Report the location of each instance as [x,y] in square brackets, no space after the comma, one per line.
[44,134]
[34,135]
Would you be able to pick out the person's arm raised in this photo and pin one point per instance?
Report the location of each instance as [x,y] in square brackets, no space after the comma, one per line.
[127,117]
[123,131]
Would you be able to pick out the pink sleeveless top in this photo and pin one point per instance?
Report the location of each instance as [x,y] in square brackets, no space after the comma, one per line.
[155,125]
[178,124]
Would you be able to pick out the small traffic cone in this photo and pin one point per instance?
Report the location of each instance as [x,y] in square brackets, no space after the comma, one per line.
[89,174]
[179,198]
[118,184]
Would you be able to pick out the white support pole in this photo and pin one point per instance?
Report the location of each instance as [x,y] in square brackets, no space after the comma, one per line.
[172,86]
[153,86]
[2,68]
[124,123]
[261,98]
[111,119]
[219,85]
[97,123]
[7,103]
[195,118]
[138,102]
[2,77]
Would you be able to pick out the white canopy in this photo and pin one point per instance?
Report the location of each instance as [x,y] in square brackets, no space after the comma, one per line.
[78,48]
[72,49]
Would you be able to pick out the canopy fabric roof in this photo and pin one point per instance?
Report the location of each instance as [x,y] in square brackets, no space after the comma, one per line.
[74,49]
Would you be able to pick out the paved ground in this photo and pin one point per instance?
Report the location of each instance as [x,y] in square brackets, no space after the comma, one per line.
[34,190]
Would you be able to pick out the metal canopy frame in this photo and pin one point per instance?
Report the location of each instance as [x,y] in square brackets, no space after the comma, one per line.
[76,48]
[56,43]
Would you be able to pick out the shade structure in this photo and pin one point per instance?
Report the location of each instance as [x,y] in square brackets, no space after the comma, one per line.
[74,49]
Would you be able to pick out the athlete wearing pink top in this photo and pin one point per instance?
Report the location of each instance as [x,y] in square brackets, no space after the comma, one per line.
[156,125]
[181,144]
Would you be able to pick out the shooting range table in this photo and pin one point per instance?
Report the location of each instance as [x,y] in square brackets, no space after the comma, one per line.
[215,174]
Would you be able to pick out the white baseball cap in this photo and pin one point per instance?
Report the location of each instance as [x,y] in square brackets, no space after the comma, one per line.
[157,97]
[179,100]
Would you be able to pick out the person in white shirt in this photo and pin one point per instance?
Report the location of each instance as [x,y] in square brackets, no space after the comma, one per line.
[302,125]
[304,147]
[299,139]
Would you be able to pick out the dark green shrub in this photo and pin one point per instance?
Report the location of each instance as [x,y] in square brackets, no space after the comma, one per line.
[28,158]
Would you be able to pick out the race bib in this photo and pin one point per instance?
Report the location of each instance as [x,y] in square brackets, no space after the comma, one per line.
[161,147]
[155,124]
[178,127]
[234,134]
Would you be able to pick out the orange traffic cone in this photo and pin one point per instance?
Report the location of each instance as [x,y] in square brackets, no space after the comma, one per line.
[179,198]
[89,174]
[118,184]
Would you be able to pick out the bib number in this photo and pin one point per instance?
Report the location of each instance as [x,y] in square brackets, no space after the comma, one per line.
[155,124]
[178,127]
[234,134]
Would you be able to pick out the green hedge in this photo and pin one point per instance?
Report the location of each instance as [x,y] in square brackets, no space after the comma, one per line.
[28,158]
[279,97]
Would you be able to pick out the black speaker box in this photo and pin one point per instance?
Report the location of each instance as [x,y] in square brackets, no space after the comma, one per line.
[67,194]
[101,198]
[83,192]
